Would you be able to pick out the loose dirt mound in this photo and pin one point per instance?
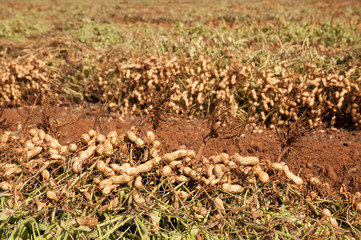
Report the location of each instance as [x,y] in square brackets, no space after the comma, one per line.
[333,155]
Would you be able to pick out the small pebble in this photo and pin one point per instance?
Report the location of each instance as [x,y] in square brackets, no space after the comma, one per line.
[310,165]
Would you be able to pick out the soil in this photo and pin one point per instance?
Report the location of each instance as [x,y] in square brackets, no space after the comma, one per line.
[333,155]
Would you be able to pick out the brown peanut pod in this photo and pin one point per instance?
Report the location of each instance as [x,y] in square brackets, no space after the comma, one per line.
[277,166]
[297,180]
[87,221]
[29,145]
[106,182]
[182,194]
[166,171]
[219,204]
[46,175]
[150,136]
[85,155]
[5,186]
[232,188]
[112,134]
[181,178]
[85,138]
[101,166]
[33,152]
[245,161]
[115,142]
[53,151]
[11,169]
[169,157]
[121,179]
[108,189]
[138,182]
[33,132]
[145,167]
[92,133]
[57,157]
[218,170]
[77,166]
[52,195]
[73,147]
[262,176]
[100,138]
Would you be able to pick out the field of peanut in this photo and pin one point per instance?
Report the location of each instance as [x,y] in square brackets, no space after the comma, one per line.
[180,119]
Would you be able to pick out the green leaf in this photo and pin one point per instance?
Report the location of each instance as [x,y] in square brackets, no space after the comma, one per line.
[5,214]
[194,230]
[155,216]
[83,229]
[175,236]
[43,226]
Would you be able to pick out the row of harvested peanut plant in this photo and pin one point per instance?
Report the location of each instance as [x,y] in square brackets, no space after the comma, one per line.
[193,87]
[128,172]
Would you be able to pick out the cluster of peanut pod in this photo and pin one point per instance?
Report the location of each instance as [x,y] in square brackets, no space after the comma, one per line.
[127,159]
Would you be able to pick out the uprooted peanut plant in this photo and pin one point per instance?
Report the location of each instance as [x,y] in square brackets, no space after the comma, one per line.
[130,88]
[125,182]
